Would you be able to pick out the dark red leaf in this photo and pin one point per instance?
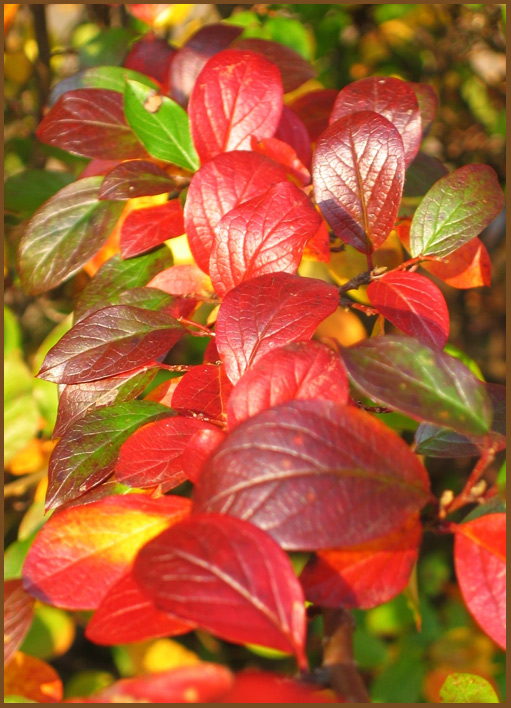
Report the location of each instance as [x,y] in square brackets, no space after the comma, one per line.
[480,562]
[204,390]
[135,178]
[151,56]
[91,122]
[428,104]
[302,370]
[291,130]
[98,168]
[18,615]
[233,565]
[393,99]
[224,183]
[125,615]
[266,234]
[190,59]
[314,109]
[365,575]
[268,312]
[285,155]
[358,174]
[199,449]
[413,304]
[108,342]
[313,476]
[253,686]
[185,279]
[154,453]
[144,229]
[237,94]
[294,69]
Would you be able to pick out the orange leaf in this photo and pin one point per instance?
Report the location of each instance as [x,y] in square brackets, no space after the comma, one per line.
[32,678]
[468,267]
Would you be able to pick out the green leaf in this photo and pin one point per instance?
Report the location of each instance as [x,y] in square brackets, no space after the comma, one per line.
[455,210]
[25,191]
[51,632]
[112,78]
[64,234]
[501,481]
[14,557]
[467,688]
[21,416]
[109,46]
[17,699]
[12,332]
[165,134]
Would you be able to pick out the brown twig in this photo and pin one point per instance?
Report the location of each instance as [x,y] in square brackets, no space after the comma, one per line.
[338,657]
[43,63]
[362,279]
[473,488]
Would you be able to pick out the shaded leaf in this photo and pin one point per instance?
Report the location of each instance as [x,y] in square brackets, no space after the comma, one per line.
[314,109]
[292,131]
[467,688]
[26,191]
[151,56]
[18,615]
[135,178]
[204,390]
[422,174]
[112,78]
[285,155]
[144,229]
[311,474]
[32,678]
[294,69]
[428,104]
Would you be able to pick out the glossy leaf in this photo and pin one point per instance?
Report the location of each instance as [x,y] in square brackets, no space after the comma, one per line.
[294,69]
[32,678]
[108,342]
[154,453]
[164,133]
[413,304]
[266,234]
[393,99]
[64,234]
[150,299]
[199,449]
[117,275]
[358,175]
[291,130]
[424,383]
[455,210]
[18,615]
[302,370]
[90,123]
[111,78]
[428,104]
[314,109]
[311,474]
[125,615]
[135,178]
[467,688]
[144,229]
[268,312]
[222,184]
[480,563]
[86,454]
[94,542]
[251,686]
[237,94]
[204,390]
[259,602]
[468,267]
[365,575]
[285,155]
[185,279]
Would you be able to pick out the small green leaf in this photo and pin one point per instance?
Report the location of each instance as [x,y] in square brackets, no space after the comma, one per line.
[165,133]
[112,78]
[467,688]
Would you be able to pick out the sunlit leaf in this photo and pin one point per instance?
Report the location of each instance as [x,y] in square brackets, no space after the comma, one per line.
[32,678]
[467,688]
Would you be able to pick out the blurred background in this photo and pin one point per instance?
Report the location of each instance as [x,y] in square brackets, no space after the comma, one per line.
[460,50]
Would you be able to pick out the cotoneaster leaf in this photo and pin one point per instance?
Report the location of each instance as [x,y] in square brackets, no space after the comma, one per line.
[428,104]
[144,229]
[184,279]
[18,615]
[272,688]
[135,178]
[291,130]
[314,109]
[468,267]
[111,78]
[203,391]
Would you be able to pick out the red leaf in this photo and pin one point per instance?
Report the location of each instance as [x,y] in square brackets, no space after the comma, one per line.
[98,168]
[204,390]
[81,552]
[393,99]
[234,566]
[358,174]
[151,56]
[266,234]
[312,474]
[292,131]
[428,104]
[144,229]
[318,247]
[480,562]
[154,453]
[302,370]
[237,94]
[135,178]
[253,686]
[314,109]
[413,304]
[18,615]
[199,449]
[146,12]
[294,69]
[285,155]
[190,59]
[468,267]
[90,122]
[186,279]
[365,575]
[125,615]
[268,312]
[163,392]
[224,183]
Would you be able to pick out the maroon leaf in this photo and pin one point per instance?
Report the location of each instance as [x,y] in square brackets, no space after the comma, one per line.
[413,304]
[266,234]
[294,69]
[186,279]
[480,562]
[393,99]
[312,475]
[234,565]
[224,183]
[188,62]
[125,615]
[285,155]
[135,178]
[151,56]
[268,312]
[91,123]
[358,174]
[302,370]
[154,453]
[144,229]
[292,131]
[18,614]
[237,94]
[314,109]
[108,342]
[204,390]
[199,449]
[428,104]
